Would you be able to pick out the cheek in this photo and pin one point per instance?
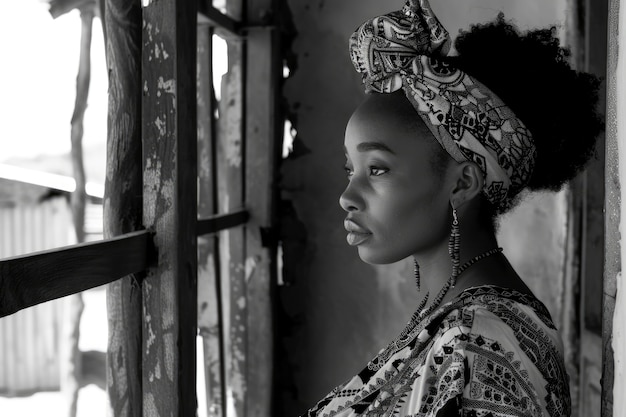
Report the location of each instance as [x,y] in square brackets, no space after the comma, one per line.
[414,202]
[417,225]
[415,217]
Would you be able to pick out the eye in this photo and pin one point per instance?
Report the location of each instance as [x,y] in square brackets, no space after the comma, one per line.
[348,170]
[377,171]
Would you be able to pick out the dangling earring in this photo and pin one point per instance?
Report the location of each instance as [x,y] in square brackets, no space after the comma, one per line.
[454,247]
[416,273]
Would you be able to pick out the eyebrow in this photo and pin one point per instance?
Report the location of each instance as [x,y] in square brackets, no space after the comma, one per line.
[373,146]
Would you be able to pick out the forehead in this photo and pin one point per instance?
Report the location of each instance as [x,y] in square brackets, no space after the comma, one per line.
[389,119]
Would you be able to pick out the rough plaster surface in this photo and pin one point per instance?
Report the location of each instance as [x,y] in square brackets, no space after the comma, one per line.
[340,311]
[533,236]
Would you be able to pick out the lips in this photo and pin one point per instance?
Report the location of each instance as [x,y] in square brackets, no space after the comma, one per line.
[356,233]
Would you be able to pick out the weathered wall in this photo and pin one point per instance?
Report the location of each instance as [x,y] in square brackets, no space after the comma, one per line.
[339,311]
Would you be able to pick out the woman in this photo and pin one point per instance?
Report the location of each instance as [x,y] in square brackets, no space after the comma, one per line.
[438,149]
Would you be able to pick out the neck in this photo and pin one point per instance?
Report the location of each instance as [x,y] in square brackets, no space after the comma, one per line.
[435,266]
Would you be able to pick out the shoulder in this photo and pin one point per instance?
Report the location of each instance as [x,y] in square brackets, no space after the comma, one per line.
[508,354]
[499,314]
[507,327]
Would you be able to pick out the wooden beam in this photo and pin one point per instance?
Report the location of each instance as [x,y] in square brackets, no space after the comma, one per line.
[221,222]
[170,206]
[218,19]
[43,276]
[123,202]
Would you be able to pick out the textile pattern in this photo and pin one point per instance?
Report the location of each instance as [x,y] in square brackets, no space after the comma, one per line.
[489,352]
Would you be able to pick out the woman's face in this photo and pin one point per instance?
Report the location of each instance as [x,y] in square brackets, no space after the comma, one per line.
[397,202]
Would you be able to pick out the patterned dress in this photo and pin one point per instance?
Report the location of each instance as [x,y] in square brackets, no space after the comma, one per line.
[489,352]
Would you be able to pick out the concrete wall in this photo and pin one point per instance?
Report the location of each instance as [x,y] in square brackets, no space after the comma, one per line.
[340,311]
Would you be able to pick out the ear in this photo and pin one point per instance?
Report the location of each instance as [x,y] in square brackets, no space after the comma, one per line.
[469,183]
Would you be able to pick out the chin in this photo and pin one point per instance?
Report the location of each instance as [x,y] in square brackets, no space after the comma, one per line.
[377,257]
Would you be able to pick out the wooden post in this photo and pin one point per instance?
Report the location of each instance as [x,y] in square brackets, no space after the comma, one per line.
[123,201]
[209,305]
[263,150]
[170,206]
[230,163]
[79,196]
[71,368]
[613,217]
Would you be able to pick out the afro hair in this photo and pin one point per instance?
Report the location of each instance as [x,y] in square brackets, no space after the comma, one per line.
[530,72]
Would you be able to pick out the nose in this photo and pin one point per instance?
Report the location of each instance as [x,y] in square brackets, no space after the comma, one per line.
[350,200]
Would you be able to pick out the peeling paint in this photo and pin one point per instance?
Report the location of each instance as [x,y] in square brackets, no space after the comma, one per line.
[237,380]
[168,86]
[167,192]
[167,299]
[161,125]
[151,334]
[251,264]
[156,373]
[148,28]
[157,369]
[168,343]
[152,180]
[149,405]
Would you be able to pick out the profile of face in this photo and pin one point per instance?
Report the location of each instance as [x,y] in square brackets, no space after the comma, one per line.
[397,200]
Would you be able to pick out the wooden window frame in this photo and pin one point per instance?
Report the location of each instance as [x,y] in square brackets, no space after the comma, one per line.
[149,254]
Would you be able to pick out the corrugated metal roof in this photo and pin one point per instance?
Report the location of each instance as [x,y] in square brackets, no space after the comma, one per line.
[47,180]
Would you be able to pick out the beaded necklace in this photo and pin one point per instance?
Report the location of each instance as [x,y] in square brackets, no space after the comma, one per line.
[420,314]
[444,290]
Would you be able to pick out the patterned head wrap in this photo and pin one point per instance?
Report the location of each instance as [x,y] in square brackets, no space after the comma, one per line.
[401,50]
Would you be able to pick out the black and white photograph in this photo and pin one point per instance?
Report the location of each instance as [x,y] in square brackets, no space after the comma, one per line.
[312,208]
